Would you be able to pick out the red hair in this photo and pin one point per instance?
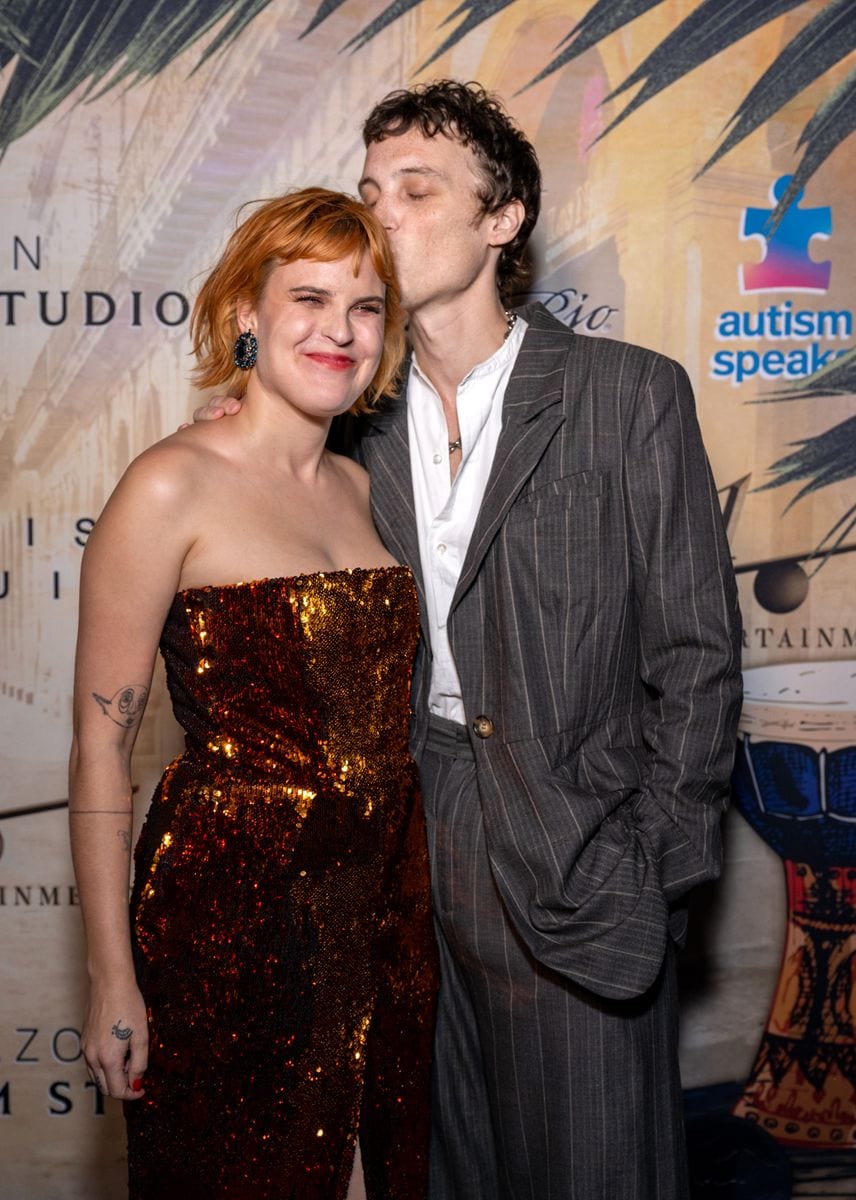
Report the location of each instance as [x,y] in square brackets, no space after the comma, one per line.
[312,223]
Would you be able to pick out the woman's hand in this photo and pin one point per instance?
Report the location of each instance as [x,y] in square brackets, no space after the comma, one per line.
[116,1040]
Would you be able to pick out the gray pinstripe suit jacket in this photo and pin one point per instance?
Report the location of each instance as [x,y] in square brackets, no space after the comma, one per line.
[596,624]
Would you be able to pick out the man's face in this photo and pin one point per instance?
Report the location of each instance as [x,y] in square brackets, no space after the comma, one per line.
[424,192]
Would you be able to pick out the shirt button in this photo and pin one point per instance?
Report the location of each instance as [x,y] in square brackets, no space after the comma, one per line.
[441,547]
[438,458]
[483,727]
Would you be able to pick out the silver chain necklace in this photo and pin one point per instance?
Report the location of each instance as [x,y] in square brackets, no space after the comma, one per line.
[510,322]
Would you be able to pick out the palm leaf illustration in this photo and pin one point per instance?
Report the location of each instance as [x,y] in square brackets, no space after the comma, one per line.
[824,41]
[828,457]
[709,29]
[833,121]
[60,47]
[390,14]
[101,43]
[837,378]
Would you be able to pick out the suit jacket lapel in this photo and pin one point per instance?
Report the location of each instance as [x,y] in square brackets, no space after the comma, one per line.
[531,416]
[532,413]
[387,457]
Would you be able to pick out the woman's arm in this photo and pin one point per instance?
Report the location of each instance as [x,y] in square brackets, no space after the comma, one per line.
[131,571]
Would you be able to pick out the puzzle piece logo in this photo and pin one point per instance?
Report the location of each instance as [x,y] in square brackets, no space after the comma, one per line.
[786,265]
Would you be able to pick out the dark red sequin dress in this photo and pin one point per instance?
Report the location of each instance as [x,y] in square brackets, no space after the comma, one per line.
[281,907]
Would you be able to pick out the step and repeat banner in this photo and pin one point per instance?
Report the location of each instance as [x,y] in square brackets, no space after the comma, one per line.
[132,133]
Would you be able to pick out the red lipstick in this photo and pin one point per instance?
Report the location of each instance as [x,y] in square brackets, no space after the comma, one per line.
[334,362]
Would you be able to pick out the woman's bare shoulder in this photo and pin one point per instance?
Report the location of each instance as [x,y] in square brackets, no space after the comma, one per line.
[351,472]
[172,470]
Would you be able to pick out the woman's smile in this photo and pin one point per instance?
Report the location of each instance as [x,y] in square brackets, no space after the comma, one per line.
[334,362]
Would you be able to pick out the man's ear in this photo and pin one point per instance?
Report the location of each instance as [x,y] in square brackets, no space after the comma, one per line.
[506,222]
[245,315]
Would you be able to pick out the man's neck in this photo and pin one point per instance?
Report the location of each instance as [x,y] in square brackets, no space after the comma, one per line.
[449,340]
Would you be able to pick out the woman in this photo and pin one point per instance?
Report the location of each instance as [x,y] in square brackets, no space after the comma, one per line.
[274,1000]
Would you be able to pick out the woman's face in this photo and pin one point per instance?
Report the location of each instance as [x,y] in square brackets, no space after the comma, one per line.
[320,333]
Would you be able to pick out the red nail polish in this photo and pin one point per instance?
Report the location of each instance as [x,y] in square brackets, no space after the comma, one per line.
[136,1085]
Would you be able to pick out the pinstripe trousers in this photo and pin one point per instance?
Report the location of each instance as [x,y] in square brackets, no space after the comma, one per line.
[516,1042]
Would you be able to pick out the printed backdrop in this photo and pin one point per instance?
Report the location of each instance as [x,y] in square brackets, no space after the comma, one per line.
[131,139]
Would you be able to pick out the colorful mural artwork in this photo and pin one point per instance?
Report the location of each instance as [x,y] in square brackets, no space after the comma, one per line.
[697,159]
[796,785]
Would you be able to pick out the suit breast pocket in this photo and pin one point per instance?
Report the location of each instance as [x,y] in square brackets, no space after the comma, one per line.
[579,494]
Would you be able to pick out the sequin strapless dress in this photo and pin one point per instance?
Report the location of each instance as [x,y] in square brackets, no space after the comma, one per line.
[281,907]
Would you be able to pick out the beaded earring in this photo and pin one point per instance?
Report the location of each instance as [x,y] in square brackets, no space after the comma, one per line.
[246,350]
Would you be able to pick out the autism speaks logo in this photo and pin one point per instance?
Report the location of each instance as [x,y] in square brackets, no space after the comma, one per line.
[803,339]
[786,265]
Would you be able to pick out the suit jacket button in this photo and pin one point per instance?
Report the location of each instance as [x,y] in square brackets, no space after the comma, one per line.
[483,727]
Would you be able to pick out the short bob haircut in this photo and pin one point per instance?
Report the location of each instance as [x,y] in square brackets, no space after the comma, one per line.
[311,223]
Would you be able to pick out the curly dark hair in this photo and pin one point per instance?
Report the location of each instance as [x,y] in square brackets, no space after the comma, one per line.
[508,163]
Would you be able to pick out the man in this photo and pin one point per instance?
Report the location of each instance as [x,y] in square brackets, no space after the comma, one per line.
[578,684]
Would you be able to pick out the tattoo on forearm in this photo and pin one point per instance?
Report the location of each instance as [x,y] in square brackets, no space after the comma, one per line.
[124,837]
[126,706]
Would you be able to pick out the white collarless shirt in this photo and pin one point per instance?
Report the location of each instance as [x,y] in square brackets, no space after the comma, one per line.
[445,511]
